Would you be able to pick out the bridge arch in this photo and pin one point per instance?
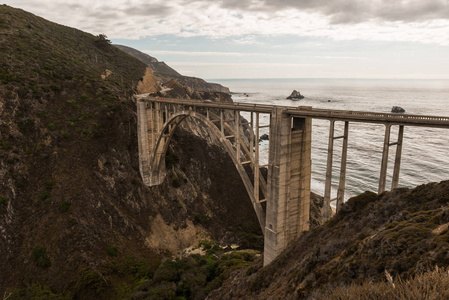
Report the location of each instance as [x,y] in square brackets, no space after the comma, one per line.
[157,156]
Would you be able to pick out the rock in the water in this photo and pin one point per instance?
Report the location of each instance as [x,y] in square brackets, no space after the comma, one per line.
[397,109]
[295,95]
[264,137]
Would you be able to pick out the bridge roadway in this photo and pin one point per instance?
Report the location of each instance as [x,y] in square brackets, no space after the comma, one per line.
[286,192]
[327,114]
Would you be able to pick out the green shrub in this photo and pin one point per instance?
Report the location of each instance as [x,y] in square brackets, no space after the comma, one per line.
[112,251]
[26,125]
[37,291]
[175,182]
[83,98]
[4,145]
[51,126]
[65,206]
[44,195]
[92,280]
[49,184]
[201,219]
[3,200]
[64,134]
[39,256]
[55,87]
[171,159]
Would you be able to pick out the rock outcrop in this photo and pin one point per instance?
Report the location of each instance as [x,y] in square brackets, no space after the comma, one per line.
[397,109]
[295,95]
[264,137]
[165,73]
[176,89]
[148,84]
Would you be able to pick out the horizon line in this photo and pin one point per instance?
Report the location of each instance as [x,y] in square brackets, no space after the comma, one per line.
[321,78]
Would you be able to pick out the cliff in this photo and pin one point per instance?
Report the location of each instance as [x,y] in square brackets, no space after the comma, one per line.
[75,218]
[164,73]
[403,233]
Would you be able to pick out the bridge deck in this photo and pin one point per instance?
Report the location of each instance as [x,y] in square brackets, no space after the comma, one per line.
[327,114]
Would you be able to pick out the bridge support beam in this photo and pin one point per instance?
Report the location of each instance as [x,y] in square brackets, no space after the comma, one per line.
[289,175]
[149,124]
[144,141]
[344,156]
[328,184]
[341,184]
[397,161]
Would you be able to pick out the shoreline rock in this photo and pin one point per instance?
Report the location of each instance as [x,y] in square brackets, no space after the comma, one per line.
[295,95]
[397,110]
[264,137]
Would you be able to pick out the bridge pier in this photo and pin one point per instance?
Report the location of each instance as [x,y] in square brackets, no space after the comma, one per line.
[328,184]
[397,162]
[289,175]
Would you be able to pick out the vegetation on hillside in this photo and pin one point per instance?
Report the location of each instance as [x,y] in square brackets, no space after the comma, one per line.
[404,232]
[75,219]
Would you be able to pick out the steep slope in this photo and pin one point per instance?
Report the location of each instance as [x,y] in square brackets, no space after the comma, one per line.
[404,232]
[155,65]
[75,217]
[165,73]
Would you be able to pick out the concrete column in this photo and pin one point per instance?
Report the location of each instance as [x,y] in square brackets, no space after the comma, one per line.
[397,161]
[287,213]
[237,133]
[256,169]
[143,142]
[251,139]
[344,155]
[328,184]
[300,176]
[152,122]
[383,167]
[222,122]
[166,112]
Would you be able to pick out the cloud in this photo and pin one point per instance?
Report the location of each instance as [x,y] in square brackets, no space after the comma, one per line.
[146,9]
[193,53]
[247,40]
[241,65]
[353,11]
[342,57]
[243,21]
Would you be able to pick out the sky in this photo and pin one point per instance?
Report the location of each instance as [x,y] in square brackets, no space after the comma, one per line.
[220,39]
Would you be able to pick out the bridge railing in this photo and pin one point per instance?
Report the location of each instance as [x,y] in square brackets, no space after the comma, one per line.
[373,117]
[330,114]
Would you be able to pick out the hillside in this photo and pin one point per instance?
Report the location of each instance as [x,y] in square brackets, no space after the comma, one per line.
[404,232]
[76,222]
[75,218]
[165,73]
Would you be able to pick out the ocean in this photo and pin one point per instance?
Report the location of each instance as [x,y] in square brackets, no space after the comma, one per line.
[425,154]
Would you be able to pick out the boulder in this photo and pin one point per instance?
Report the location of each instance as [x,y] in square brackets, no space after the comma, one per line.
[264,137]
[295,95]
[397,109]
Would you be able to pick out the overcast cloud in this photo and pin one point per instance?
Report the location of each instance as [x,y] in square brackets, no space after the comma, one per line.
[278,38]
[413,20]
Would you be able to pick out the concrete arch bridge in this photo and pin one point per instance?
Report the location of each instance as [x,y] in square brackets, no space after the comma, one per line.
[287,188]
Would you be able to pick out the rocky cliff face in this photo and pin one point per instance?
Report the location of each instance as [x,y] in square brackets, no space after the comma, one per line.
[195,83]
[164,73]
[74,214]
